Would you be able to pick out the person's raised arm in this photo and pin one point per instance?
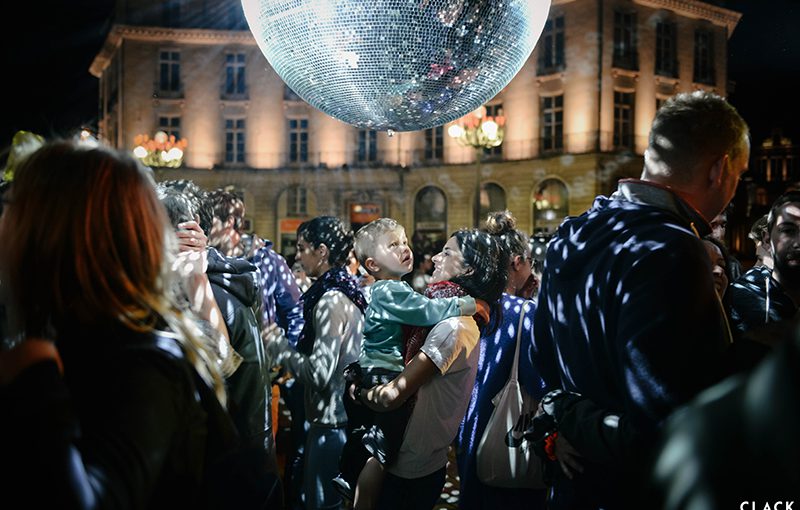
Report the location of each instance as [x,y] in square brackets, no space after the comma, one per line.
[400,304]
[393,394]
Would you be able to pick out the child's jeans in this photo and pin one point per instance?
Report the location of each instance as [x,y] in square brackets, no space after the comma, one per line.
[371,433]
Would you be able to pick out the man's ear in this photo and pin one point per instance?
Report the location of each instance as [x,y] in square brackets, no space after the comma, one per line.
[717,171]
[371,265]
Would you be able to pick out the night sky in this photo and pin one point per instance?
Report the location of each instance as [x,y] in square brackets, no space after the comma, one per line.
[52,44]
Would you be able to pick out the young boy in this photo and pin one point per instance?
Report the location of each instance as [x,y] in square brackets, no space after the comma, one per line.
[382,249]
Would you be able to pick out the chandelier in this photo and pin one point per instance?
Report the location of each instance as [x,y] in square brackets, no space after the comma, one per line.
[160,151]
[396,65]
[478,130]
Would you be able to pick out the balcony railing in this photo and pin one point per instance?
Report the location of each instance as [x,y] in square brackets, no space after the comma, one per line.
[513,150]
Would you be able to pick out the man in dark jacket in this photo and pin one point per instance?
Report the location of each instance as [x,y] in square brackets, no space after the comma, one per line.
[762,296]
[279,302]
[235,287]
[628,318]
[234,283]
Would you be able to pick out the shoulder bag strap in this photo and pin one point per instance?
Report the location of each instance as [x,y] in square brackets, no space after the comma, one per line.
[515,366]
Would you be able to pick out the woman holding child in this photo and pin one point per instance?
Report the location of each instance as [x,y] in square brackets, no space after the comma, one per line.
[440,373]
[333,309]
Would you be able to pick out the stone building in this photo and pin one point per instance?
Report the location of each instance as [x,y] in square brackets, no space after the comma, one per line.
[576,116]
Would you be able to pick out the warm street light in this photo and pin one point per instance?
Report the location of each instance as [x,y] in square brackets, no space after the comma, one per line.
[479,131]
[161,151]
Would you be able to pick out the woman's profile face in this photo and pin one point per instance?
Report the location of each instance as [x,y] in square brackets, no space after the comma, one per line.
[310,259]
[448,263]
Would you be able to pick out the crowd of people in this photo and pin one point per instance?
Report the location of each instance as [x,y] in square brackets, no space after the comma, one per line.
[143,332]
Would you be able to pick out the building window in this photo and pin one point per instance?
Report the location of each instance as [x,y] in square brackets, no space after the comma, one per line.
[704,57]
[235,74]
[666,49]
[553,123]
[296,202]
[298,140]
[234,140]
[660,102]
[169,71]
[434,143]
[551,52]
[493,198]
[623,120]
[367,145]
[171,125]
[430,220]
[625,55]
[550,206]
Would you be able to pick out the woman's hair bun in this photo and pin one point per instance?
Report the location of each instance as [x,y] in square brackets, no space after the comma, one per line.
[500,222]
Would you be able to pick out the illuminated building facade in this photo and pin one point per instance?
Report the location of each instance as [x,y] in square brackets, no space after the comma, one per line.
[576,116]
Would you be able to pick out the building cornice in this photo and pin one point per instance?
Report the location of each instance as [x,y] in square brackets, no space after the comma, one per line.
[696,9]
[690,8]
[199,36]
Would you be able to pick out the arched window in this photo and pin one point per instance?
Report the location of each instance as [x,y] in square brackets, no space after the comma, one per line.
[430,220]
[493,198]
[550,205]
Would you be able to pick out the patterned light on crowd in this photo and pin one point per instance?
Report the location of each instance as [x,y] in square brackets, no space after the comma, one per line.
[400,65]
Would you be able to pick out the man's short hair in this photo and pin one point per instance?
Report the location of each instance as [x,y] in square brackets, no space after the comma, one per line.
[179,207]
[692,128]
[367,237]
[225,204]
[786,198]
[198,198]
[758,229]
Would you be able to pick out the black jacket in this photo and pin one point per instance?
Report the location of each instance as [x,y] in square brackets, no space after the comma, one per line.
[750,308]
[627,317]
[234,282]
[130,425]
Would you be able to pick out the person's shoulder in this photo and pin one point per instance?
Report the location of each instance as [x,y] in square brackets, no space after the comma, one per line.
[515,303]
[143,355]
[454,326]
[335,300]
[753,281]
[389,288]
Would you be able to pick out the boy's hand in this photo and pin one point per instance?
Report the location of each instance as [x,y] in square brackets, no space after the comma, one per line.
[482,312]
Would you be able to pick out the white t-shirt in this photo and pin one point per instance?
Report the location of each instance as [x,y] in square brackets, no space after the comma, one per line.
[442,401]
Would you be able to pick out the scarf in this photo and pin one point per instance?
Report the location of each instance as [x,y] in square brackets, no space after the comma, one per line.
[335,278]
[415,336]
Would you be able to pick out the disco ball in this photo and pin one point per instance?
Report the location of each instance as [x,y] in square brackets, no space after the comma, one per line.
[399,65]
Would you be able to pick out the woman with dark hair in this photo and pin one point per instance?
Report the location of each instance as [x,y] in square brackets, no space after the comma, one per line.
[333,309]
[112,395]
[440,372]
[497,350]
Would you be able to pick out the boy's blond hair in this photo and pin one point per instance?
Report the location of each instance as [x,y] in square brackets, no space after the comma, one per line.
[368,235]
